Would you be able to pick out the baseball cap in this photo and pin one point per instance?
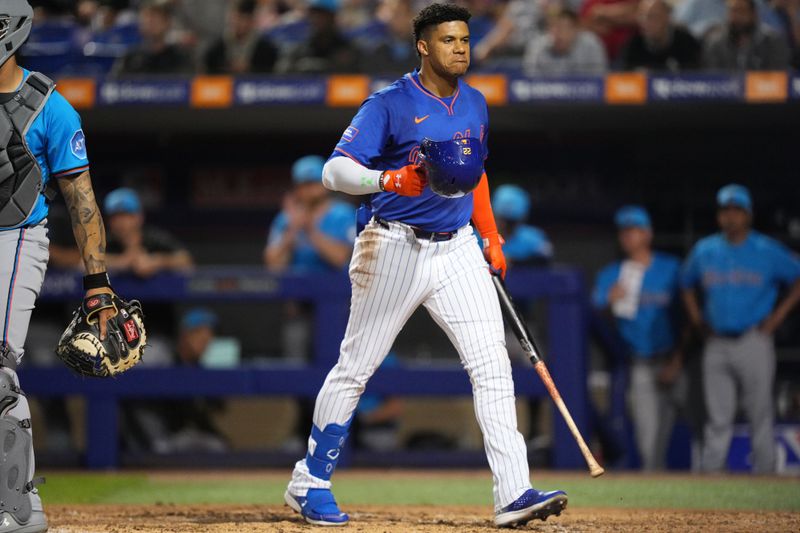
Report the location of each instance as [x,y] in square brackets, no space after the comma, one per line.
[632,216]
[123,200]
[199,317]
[307,169]
[735,195]
[326,5]
[511,202]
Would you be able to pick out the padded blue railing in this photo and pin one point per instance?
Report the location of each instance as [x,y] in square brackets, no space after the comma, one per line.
[567,329]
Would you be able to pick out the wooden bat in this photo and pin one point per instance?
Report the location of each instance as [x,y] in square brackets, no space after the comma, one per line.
[522,332]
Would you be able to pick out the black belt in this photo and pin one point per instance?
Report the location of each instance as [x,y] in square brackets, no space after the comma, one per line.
[433,236]
[731,334]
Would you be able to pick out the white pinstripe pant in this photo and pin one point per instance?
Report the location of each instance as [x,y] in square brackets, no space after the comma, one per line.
[392,273]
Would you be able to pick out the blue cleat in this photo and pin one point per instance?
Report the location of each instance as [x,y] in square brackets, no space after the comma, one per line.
[318,507]
[531,505]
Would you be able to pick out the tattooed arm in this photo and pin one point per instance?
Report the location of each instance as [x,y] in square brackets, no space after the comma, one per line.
[87,222]
[90,234]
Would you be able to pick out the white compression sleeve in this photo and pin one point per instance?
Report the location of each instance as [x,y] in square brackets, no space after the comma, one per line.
[345,175]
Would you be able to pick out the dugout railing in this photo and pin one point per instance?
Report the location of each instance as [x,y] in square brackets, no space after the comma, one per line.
[562,289]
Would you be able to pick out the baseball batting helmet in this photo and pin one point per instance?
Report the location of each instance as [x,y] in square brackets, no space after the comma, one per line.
[453,167]
[16,17]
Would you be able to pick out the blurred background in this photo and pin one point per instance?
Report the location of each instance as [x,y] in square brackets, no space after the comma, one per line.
[208,123]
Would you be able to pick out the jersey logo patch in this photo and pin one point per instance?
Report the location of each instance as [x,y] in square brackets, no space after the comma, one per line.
[349,134]
[77,145]
[421,119]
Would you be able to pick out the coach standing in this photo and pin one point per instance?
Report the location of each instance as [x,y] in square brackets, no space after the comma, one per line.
[641,293]
[739,272]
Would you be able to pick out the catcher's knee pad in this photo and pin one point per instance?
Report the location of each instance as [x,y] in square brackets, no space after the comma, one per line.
[16,449]
[324,448]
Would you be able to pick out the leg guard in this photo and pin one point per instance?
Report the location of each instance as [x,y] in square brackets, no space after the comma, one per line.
[16,451]
[324,448]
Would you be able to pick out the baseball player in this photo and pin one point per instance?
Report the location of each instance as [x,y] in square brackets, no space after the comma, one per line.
[43,144]
[313,232]
[524,244]
[739,272]
[641,293]
[417,248]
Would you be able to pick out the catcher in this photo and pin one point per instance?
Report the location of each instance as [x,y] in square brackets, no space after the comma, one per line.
[41,143]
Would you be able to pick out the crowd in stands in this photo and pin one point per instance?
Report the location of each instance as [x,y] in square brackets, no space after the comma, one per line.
[538,37]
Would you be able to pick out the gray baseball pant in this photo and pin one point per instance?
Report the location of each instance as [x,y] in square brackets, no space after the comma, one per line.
[653,409]
[23,261]
[739,370]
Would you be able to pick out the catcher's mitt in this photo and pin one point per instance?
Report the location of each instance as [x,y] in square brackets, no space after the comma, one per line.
[82,350]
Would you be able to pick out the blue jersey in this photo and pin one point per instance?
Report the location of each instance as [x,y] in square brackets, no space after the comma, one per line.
[740,281]
[338,222]
[652,330]
[527,243]
[386,134]
[56,140]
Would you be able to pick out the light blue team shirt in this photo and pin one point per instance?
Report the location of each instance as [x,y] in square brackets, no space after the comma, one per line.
[526,243]
[652,331]
[56,140]
[740,282]
[338,222]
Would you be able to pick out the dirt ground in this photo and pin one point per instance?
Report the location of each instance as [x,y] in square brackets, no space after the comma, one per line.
[383,519]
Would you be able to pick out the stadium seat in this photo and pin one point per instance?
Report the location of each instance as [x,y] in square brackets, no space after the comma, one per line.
[104,48]
[51,46]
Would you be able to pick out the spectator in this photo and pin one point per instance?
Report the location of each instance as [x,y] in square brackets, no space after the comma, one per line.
[313,232]
[566,49]
[659,45]
[738,273]
[143,251]
[743,44]
[614,21]
[641,294]
[701,17]
[525,245]
[241,49]
[198,23]
[520,23]
[784,18]
[156,55]
[392,54]
[182,425]
[326,49]
[135,247]
[102,15]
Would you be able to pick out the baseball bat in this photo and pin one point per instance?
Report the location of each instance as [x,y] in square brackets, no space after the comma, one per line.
[525,338]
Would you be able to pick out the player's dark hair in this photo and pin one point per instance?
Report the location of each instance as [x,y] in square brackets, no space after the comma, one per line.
[436,14]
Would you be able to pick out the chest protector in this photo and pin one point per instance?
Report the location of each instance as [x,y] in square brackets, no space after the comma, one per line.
[20,175]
